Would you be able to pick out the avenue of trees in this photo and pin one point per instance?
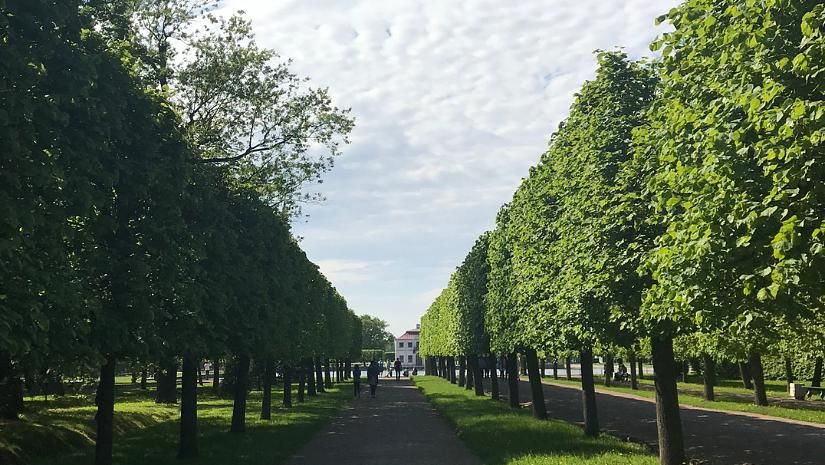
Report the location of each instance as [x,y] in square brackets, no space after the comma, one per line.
[677,214]
[148,175]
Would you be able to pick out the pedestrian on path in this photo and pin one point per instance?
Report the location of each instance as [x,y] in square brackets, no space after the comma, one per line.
[356,380]
[372,377]
[397,369]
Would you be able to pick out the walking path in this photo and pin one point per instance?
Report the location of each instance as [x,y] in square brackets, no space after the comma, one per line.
[399,427]
[715,436]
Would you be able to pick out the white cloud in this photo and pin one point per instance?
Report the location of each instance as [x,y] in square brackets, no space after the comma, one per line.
[454,101]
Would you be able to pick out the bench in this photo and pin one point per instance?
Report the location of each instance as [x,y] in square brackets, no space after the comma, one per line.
[811,390]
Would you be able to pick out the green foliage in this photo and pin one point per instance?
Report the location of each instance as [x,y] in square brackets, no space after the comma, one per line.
[375,333]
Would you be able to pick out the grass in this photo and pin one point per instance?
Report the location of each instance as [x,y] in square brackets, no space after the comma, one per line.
[737,399]
[500,435]
[62,431]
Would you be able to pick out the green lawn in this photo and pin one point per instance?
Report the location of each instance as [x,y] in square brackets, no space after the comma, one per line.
[690,395]
[62,431]
[500,435]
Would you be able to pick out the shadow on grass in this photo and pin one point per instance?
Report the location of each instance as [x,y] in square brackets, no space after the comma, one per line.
[501,435]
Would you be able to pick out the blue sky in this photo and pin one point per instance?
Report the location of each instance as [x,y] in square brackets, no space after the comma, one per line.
[454,100]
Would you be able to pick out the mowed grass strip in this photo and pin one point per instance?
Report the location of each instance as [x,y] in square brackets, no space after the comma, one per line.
[499,434]
[813,411]
[62,431]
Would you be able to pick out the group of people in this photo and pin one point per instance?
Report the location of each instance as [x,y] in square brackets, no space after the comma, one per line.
[373,372]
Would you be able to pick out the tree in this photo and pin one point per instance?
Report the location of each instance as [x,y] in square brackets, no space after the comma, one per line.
[374,333]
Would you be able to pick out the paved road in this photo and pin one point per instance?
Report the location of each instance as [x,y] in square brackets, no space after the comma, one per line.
[717,437]
[398,427]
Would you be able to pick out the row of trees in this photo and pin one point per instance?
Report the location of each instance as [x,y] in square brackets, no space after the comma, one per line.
[148,176]
[681,200]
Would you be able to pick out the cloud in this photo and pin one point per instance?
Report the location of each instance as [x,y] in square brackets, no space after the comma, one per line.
[454,101]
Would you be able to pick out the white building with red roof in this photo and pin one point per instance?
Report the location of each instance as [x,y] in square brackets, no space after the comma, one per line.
[406,349]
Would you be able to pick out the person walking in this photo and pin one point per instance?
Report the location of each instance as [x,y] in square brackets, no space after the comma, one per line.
[397,369]
[372,377]
[356,380]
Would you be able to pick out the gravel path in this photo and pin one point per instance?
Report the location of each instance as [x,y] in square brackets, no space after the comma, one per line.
[399,427]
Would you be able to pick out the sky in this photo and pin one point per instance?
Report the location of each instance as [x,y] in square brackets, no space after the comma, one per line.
[453,101]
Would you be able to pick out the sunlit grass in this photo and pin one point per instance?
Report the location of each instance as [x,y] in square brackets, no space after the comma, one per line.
[501,435]
[62,431]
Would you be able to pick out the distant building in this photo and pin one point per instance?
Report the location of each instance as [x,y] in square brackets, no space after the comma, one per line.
[406,348]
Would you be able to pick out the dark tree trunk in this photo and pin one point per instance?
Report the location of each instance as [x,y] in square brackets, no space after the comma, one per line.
[287,402]
[555,368]
[266,401]
[216,376]
[188,446]
[589,412]
[319,376]
[302,383]
[608,369]
[327,375]
[348,369]
[104,418]
[11,390]
[143,376]
[200,376]
[760,397]
[309,368]
[493,378]
[816,381]
[568,370]
[478,376]
[241,388]
[167,382]
[668,420]
[462,371]
[631,360]
[685,370]
[512,379]
[788,371]
[708,376]
[539,408]
[543,370]
[523,366]
[745,374]
[641,369]
[451,367]
[468,382]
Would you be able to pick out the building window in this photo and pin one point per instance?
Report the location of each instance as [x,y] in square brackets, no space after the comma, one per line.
[400,345]
[409,344]
[409,358]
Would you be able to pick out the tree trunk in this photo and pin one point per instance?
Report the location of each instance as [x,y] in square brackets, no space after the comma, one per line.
[302,383]
[589,411]
[451,367]
[143,376]
[539,408]
[348,369]
[478,375]
[188,446]
[788,371]
[745,374]
[266,401]
[287,402]
[760,397]
[200,376]
[167,382]
[668,420]
[816,381]
[555,368]
[104,418]
[319,376]
[462,371]
[241,388]
[543,367]
[608,369]
[512,379]
[641,369]
[523,366]
[468,383]
[11,390]
[708,376]
[309,368]
[685,370]
[568,370]
[216,376]
[631,360]
[327,375]
[493,379]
